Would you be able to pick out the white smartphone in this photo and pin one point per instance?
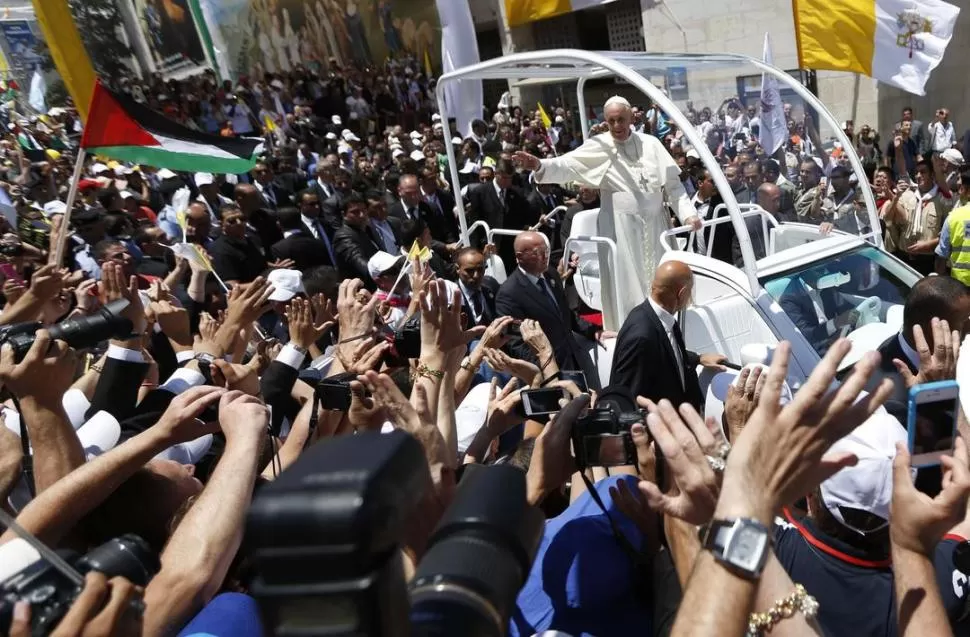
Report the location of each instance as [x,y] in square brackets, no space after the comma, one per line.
[932,422]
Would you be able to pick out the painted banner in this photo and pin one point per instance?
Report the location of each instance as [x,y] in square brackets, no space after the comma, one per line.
[271,36]
[168,27]
[21,46]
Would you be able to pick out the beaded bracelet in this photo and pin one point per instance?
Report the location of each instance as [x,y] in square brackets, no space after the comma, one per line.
[797,601]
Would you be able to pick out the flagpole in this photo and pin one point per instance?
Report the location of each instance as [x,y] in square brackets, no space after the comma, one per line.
[58,255]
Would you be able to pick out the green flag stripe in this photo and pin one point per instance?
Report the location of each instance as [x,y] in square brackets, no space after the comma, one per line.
[197,14]
[155,156]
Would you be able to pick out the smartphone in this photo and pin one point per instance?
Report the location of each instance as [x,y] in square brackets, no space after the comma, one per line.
[10,272]
[577,377]
[539,404]
[932,421]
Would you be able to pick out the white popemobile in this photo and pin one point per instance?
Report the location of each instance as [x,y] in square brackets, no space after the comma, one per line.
[737,311]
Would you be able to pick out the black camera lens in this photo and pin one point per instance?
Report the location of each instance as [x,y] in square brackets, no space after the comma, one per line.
[127,556]
[478,557]
[81,332]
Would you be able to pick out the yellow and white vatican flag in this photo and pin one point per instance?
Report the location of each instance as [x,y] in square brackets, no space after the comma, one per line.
[519,12]
[898,42]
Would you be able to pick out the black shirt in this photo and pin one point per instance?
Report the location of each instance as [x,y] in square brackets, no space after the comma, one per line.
[237,259]
[855,590]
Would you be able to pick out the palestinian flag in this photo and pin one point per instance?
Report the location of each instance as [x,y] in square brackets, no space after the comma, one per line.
[120,128]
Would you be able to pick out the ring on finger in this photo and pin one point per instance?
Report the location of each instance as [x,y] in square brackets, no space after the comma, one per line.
[717,464]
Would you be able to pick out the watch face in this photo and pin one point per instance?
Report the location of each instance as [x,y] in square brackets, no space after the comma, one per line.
[746,548]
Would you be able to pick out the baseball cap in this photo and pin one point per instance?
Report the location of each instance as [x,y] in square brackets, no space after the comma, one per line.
[331,136]
[165,173]
[190,452]
[380,263]
[952,156]
[417,155]
[397,153]
[204,179]
[436,117]
[349,136]
[287,284]
[99,168]
[456,141]
[55,207]
[867,486]
[336,120]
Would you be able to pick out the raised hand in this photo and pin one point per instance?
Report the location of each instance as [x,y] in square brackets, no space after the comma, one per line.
[304,332]
[180,421]
[780,455]
[45,373]
[940,363]
[918,522]
[527,161]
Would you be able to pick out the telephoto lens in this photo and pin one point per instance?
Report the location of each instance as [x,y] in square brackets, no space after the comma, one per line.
[80,332]
[478,557]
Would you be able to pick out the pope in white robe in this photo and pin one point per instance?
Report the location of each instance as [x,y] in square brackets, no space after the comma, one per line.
[636,176]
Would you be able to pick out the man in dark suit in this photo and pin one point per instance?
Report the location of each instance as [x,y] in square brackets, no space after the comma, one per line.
[354,243]
[803,301]
[442,205]
[501,205]
[273,195]
[651,358]
[387,229]
[534,291]
[934,297]
[478,291]
[258,218]
[314,225]
[543,200]
[298,245]
[769,198]
[332,208]
[410,206]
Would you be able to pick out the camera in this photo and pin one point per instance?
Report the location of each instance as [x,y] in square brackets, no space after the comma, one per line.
[51,593]
[407,339]
[333,392]
[602,437]
[79,332]
[15,249]
[325,539]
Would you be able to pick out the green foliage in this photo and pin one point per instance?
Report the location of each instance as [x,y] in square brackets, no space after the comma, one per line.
[56,93]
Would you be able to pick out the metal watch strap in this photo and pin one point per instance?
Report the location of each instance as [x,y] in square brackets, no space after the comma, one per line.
[716,537]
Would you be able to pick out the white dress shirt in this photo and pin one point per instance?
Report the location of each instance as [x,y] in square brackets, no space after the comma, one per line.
[669,320]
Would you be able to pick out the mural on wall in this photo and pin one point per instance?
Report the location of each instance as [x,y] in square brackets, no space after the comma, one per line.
[169,29]
[21,45]
[272,36]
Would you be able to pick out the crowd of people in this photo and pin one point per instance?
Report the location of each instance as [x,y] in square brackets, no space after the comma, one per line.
[239,294]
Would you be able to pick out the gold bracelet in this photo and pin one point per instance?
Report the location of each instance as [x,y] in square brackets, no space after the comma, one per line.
[427,372]
[797,601]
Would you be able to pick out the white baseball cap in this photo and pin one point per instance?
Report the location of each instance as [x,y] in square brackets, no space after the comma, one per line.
[54,207]
[165,173]
[204,179]
[287,284]
[380,263]
[349,136]
[189,452]
[456,141]
[417,155]
[436,117]
[97,169]
[397,153]
[331,136]
[952,156]
[867,486]
[336,120]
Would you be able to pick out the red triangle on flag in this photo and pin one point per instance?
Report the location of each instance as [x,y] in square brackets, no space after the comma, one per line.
[110,125]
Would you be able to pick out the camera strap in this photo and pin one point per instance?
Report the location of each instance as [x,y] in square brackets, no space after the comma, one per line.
[27,460]
[643,581]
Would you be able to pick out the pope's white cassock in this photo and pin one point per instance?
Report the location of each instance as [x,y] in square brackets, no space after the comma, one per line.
[635,178]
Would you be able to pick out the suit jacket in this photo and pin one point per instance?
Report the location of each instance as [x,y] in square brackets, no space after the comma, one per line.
[644,360]
[395,225]
[540,206]
[515,214]
[267,230]
[758,241]
[332,212]
[489,289]
[282,197]
[276,386]
[445,219]
[437,224]
[117,388]
[801,310]
[519,298]
[353,248]
[305,250]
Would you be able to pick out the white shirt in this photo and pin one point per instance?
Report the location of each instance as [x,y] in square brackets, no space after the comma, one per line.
[469,295]
[816,297]
[669,320]
[943,136]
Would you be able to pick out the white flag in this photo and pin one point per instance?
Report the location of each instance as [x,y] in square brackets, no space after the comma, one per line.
[459,48]
[910,41]
[774,129]
[38,89]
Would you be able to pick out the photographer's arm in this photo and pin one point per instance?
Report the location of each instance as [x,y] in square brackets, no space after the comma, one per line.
[10,461]
[200,551]
[55,512]
[45,284]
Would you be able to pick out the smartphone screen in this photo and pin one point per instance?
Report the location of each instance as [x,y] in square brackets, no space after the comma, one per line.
[10,272]
[577,377]
[932,422]
[542,402]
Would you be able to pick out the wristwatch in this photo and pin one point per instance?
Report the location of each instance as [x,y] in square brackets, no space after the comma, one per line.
[741,544]
[205,362]
[466,364]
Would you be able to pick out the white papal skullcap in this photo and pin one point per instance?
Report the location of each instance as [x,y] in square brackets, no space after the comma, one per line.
[616,100]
